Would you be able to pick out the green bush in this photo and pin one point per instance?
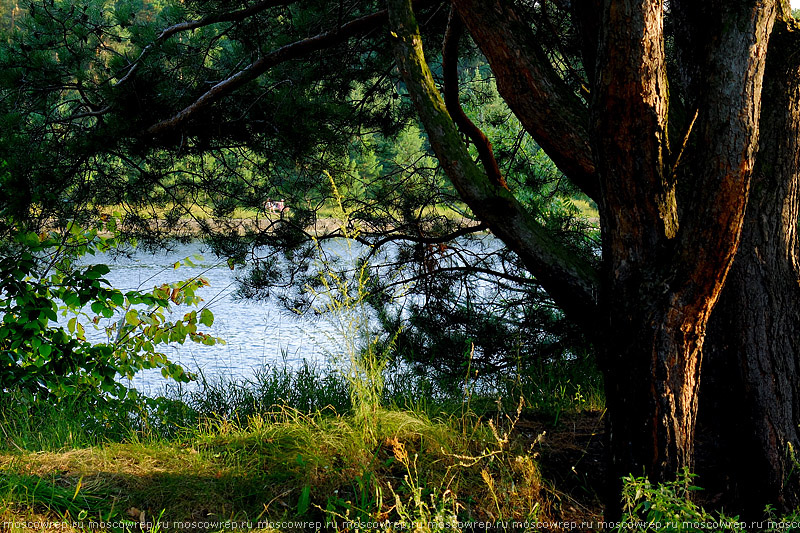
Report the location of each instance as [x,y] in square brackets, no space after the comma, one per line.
[41,278]
[668,507]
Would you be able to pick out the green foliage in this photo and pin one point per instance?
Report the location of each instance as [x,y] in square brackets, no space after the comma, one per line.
[671,508]
[668,507]
[225,163]
[49,299]
[277,465]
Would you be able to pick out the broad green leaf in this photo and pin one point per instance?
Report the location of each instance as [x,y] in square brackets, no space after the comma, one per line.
[132,317]
[206,317]
[118,298]
[304,501]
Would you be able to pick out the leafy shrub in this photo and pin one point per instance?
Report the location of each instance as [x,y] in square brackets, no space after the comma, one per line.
[667,507]
[41,278]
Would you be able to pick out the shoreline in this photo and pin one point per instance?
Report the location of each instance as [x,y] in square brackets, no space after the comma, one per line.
[192,227]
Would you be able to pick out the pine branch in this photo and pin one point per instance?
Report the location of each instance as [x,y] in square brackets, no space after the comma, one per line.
[295,50]
[234,16]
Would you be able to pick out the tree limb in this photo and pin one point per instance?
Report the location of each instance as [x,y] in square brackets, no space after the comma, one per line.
[285,53]
[570,280]
[450,74]
[234,16]
[392,237]
[554,116]
[86,114]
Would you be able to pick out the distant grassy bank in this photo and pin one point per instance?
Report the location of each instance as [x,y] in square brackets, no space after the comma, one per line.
[191,220]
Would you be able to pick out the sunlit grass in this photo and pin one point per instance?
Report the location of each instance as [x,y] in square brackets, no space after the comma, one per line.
[587,208]
[328,210]
[279,465]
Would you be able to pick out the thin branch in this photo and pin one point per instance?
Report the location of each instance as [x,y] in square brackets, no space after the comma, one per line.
[463,269]
[234,16]
[98,113]
[423,240]
[674,166]
[285,53]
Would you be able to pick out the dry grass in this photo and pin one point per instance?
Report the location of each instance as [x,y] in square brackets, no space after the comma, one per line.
[286,465]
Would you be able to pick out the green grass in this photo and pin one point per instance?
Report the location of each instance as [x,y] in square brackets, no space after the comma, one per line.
[276,449]
[587,208]
[279,465]
[287,444]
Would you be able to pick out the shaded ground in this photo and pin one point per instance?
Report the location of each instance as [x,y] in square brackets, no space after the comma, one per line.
[262,472]
[570,455]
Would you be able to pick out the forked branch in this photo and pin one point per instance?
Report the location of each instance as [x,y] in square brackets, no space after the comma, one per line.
[450,74]
[568,278]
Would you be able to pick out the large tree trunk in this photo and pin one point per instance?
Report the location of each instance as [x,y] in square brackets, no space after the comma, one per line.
[665,267]
[751,402]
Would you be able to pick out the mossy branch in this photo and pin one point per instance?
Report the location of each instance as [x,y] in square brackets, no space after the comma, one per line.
[569,279]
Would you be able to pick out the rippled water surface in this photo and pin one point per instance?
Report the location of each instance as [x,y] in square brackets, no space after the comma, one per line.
[256,333]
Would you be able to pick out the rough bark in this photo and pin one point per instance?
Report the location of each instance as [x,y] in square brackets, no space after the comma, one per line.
[665,268]
[750,406]
[638,220]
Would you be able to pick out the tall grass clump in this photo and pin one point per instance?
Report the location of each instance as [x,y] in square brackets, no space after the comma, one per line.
[342,299]
[307,388]
[556,386]
[29,422]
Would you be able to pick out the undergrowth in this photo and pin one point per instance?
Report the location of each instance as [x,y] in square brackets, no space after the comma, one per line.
[321,467]
[225,457]
[359,444]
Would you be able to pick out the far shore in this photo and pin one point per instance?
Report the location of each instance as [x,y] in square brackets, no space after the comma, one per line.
[192,227]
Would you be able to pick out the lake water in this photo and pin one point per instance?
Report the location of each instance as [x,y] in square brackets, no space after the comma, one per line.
[256,333]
